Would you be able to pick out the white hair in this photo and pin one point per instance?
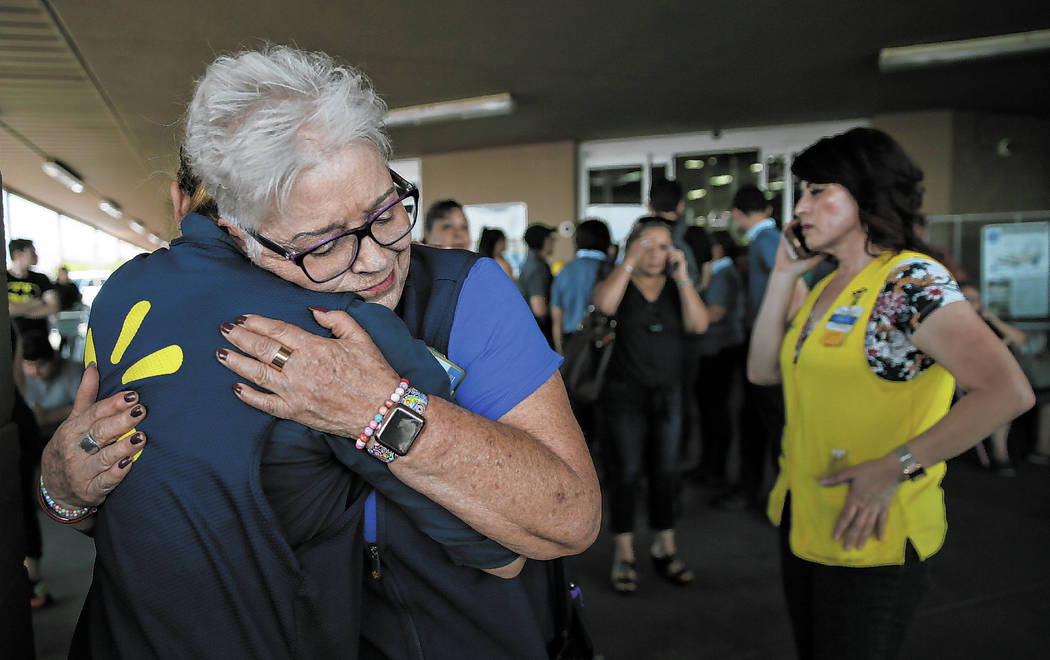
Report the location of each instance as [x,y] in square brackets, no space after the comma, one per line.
[260,119]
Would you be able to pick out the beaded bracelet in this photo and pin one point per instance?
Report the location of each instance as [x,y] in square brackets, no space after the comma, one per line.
[414,400]
[362,439]
[60,513]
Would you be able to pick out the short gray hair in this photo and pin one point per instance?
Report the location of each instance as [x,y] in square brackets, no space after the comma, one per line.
[260,119]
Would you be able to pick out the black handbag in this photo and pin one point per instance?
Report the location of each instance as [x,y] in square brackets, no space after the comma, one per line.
[587,355]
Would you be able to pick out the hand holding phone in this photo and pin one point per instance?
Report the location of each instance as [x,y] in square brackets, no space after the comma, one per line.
[796,242]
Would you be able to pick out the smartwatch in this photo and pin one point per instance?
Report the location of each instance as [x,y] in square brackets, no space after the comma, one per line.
[910,467]
[400,427]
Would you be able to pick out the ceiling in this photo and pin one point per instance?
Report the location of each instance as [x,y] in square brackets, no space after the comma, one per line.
[101,85]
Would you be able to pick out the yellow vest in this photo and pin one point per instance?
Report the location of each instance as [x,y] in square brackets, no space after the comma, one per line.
[834,401]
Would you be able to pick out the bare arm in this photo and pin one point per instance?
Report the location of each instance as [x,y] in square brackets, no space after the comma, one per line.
[779,304]
[557,319]
[538,305]
[525,481]
[35,309]
[694,312]
[997,391]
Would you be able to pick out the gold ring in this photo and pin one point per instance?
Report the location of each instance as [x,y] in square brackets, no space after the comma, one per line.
[280,358]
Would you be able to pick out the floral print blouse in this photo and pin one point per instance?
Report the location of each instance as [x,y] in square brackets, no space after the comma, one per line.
[913,290]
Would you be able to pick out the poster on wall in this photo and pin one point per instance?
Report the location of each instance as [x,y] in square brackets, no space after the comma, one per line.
[1015,269]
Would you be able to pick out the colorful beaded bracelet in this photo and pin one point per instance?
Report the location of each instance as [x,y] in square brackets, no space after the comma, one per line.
[362,439]
[412,399]
[60,513]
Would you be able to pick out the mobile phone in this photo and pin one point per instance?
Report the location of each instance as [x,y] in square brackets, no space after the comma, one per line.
[797,248]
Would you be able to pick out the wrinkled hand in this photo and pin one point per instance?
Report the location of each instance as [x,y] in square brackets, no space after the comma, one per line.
[72,476]
[872,485]
[334,385]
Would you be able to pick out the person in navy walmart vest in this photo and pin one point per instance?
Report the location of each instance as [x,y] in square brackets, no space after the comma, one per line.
[292,146]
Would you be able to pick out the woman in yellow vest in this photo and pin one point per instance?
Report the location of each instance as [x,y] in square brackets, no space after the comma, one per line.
[868,365]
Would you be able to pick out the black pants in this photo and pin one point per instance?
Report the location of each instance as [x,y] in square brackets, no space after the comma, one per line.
[761,425]
[855,613]
[643,431]
[713,386]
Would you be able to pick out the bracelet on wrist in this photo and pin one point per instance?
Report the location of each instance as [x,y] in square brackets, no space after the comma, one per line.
[60,513]
[405,419]
[402,389]
[628,267]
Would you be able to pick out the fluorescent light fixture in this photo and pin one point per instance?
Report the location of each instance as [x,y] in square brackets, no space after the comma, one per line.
[63,175]
[137,227]
[776,185]
[694,164]
[756,167]
[722,180]
[965,50]
[698,193]
[153,238]
[472,108]
[111,208]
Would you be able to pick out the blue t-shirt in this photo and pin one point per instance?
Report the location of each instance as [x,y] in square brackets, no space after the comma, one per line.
[762,252]
[725,290]
[572,287]
[495,340]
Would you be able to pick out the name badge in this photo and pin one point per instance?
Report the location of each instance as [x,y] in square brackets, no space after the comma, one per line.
[455,373]
[839,325]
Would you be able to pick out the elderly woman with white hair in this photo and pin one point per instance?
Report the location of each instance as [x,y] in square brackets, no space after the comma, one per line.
[291,146]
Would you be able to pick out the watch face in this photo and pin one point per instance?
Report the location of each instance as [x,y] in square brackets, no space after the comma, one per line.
[399,430]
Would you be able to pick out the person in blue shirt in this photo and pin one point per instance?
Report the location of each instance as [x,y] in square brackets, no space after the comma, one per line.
[571,291]
[722,357]
[299,188]
[762,415]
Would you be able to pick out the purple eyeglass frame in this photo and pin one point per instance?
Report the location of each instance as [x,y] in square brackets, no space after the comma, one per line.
[365,230]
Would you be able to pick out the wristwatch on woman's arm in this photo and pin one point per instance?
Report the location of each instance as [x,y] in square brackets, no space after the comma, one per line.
[910,468]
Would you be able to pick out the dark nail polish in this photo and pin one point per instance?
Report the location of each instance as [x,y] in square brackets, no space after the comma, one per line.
[131,397]
[226,327]
[124,462]
[314,308]
[137,438]
[237,388]
[222,353]
[240,320]
[136,411]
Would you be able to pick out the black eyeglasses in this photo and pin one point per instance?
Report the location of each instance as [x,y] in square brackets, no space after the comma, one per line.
[336,254]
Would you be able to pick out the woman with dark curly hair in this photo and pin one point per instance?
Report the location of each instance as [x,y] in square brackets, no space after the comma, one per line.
[868,364]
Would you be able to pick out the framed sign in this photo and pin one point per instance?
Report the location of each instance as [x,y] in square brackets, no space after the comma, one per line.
[1015,269]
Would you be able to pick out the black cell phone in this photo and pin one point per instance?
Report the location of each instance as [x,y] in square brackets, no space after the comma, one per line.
[797,242]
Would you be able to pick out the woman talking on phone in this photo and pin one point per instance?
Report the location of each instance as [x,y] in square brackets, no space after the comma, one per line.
[868,364]
[655,307]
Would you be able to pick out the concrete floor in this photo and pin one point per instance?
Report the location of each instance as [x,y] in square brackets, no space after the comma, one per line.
[990,599]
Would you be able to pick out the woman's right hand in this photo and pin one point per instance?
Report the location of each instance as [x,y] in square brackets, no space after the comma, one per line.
[75,478]
[788,264]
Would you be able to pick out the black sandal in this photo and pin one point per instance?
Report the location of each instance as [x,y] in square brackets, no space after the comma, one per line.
[673,569]
[624,577]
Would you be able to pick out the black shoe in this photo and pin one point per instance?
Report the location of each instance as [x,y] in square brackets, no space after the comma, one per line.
[1003,468]
[624,577]
[673,569]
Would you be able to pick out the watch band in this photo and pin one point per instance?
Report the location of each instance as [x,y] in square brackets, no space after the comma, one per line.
[411,408]
[910,468]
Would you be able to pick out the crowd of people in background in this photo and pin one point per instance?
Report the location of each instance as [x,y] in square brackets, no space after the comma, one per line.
[701,313]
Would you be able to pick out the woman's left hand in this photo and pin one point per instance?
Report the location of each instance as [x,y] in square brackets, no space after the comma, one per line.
[872,485]
[333,385]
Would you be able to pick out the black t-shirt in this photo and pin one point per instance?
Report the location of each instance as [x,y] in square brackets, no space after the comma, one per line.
[649,338]
[25,289]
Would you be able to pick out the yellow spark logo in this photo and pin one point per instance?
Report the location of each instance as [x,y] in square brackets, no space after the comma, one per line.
[161,362]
